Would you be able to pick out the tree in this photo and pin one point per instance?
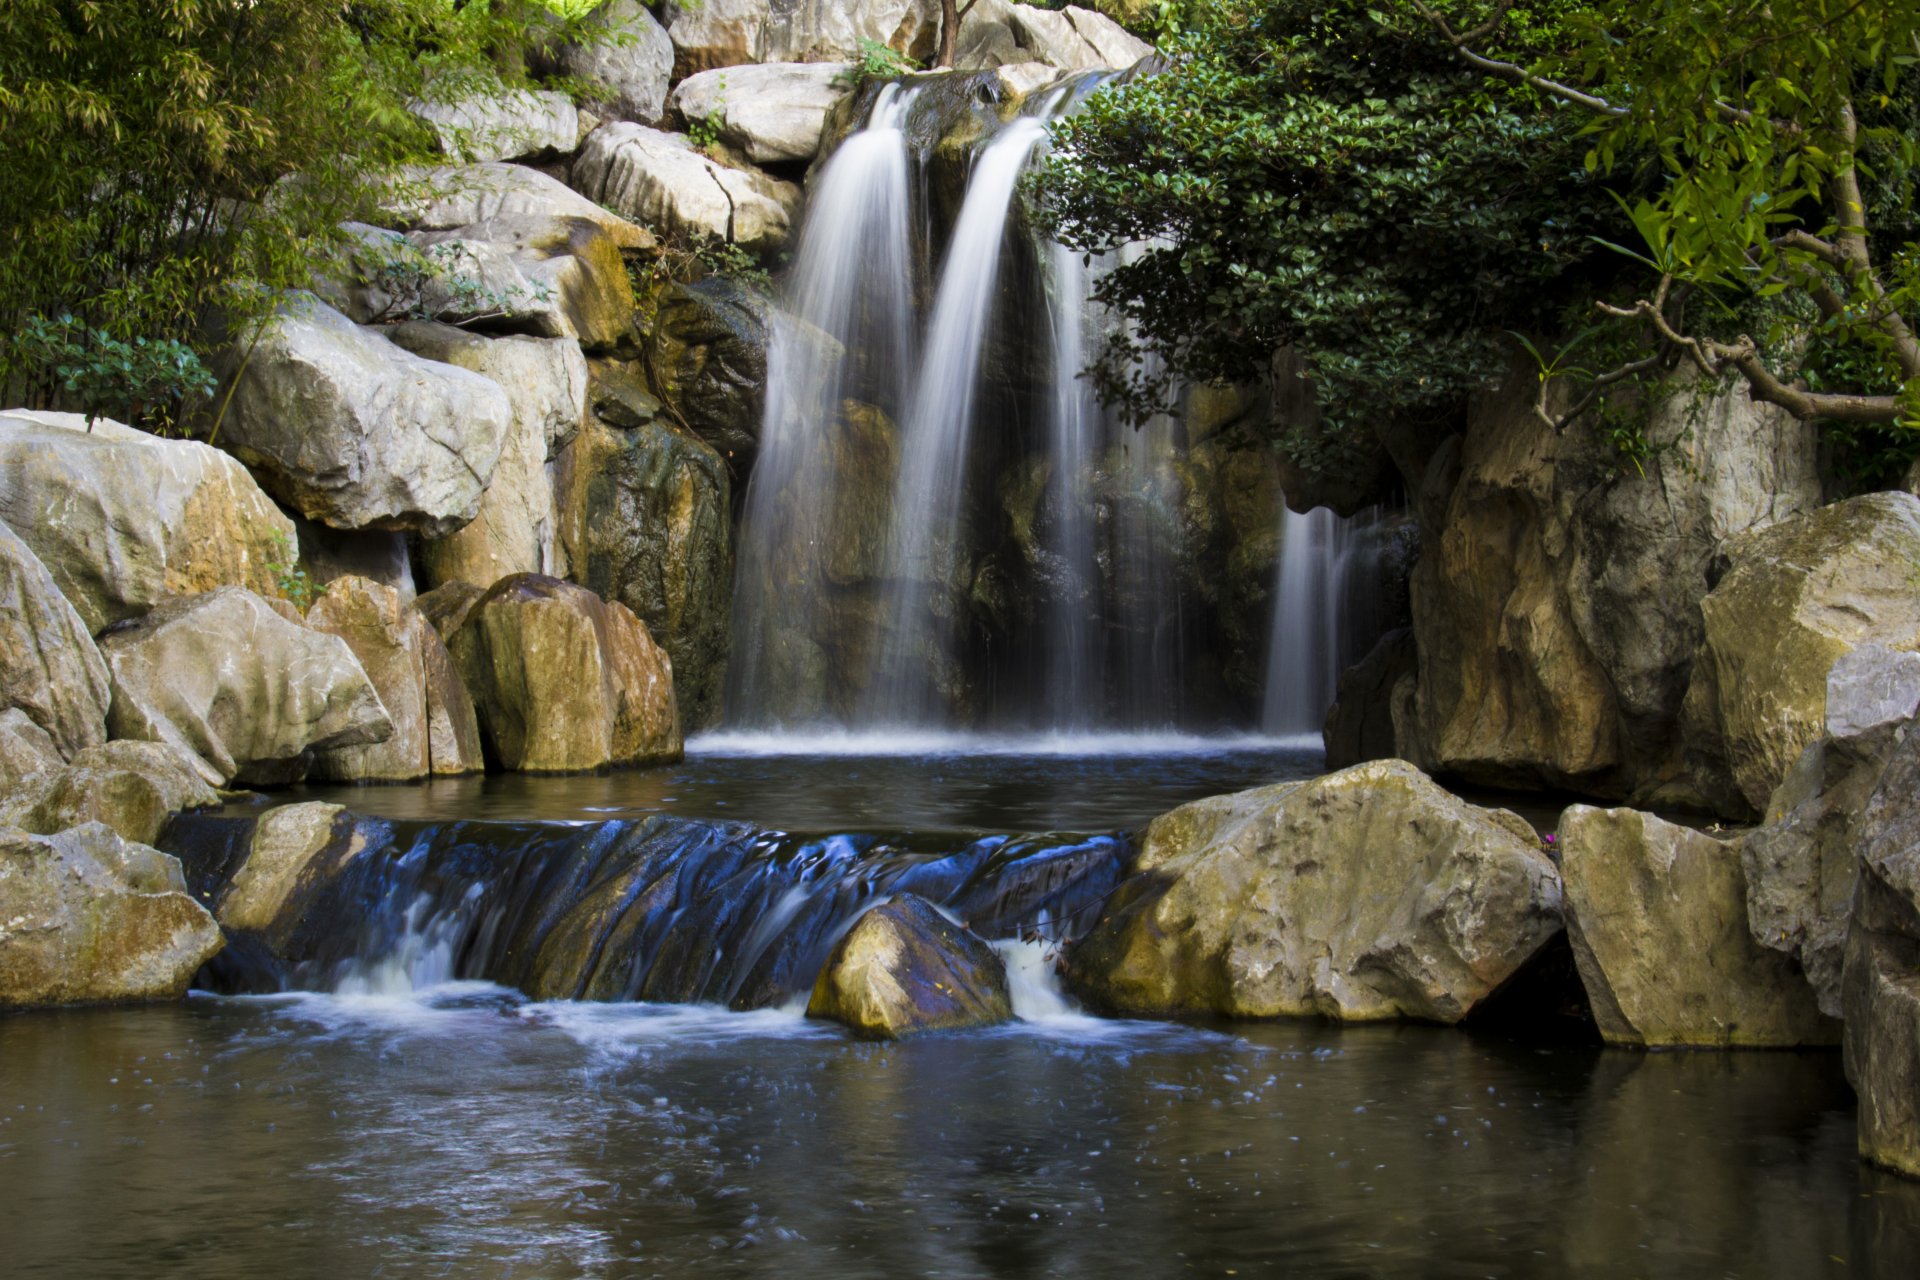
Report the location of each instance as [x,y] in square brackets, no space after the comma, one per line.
[952,14]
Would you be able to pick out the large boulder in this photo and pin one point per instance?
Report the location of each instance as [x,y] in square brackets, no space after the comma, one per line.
[551,276]
[1364,895]
[245,693]
[645,518]
[1657,915]
[709,349]
[123,519]
[49,669]
[88,918]
[1881,980]
[510,125]
[546,384]
[133,787]
[564,682]
[1795,597]
[771,114]
[1074,39]
[628,67]
[447,197]
[292,851]
[434,728]
[356,433]
[1801,866]
[904,969]
[727,33]
[1556,601]
[661,180]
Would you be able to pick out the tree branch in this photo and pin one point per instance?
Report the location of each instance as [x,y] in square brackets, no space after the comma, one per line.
[1510,70]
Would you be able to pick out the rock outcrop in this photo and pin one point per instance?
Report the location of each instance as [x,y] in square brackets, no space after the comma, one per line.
[123,519]
[88,918]
[242,691]
[134,788]
[1657,915]
[773,113]
[904,969]
[1794,598]
[709,348]
[728,33]
[659,179]
[435,732]
[1075,39]
[511,125]
[447,197]
[563,681]
[546,275]
[1364,895]
[357,433]
[628,68]
[28,757]
[50,671]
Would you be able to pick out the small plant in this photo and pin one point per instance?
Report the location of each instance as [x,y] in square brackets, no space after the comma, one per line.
[705,132]
[723,258]
[289,579]
[876,62]
[144,381]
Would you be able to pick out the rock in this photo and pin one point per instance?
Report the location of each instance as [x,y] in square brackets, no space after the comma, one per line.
[728,33]
[87,918]
[1657,915]
[380,556]
[659,179]
[50,671]
[630,68]
[645,519]
[357,433]
[563,277]
[28,757]
[1871,692]
[1881,979]
[904,969]
[123,519]
[1367,894]
[450,197]
[132,787]
[1556,602]
[710,344]
[1795,598]
[546,384]
[563,681]
[771,113]
[1075,39]
[1359,725]
[434,728]
[293,850]
[243,692]
[510,125]
[445,608]
[1018,79]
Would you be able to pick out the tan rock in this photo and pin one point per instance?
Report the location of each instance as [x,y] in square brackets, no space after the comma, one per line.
[133,787]
[660,180]
[294,849]
[904,969]
[27,759]
[50,671]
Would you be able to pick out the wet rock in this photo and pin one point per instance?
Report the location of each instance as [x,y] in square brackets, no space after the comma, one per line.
[238,688]
[123,519]
[710,345]
[514,124]
[1364,895]
[563,681]
[728,33]
[905,969]
[50,672]
[356,433]
[1657,914]
[773,113]
[293,851]
[548,276]
[434,728]
[28,757]
[659,179]
[629,68]
[89,918]
[132,787]
[1557,598]
[645,519]
[449,197]
[1794,599]
[1359,725]
[546,385]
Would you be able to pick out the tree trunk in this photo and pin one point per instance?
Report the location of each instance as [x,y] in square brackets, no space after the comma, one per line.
[949,32]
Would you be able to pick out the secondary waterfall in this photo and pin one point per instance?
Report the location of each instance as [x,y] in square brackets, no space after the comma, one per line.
[1322,616]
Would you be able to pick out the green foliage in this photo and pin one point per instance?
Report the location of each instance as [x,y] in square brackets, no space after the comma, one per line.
[1303,176]
[876,62]
[292,581]
[705,133]
[141,381]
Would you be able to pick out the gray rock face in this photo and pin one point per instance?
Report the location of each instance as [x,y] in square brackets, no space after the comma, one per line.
[728,33]
[49,670]
[1881,981]
[1658,920]
[659,179]
[770,113]
[1871,691]
[236,687]
[1359,725]
[633,66]
[123,519]
[434,728]
[548,276]
[904,969]
[27,758]
[1796,598]
[512,125]
[710,345]
[1556,602]
[1364,895]
[132,787]
[88,918]
[446,197]
[1075,39]
[356,433]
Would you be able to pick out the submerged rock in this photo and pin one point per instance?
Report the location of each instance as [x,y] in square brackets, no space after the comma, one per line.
[238,688]
[132,787]
[1364,895]
[89,918]
[659,179]
[563,681]
[1657,914]
[905,969]
[1796,597]
[50,672]
[123,519]
[771,113]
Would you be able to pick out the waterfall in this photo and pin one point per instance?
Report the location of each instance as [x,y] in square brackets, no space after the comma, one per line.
[1072,664]
[925,534]
[1321,618]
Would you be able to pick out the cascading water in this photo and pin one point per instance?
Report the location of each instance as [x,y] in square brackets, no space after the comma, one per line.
[1319,627]
[1072,667]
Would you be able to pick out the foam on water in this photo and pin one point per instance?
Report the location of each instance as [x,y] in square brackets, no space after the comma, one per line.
[827,741]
